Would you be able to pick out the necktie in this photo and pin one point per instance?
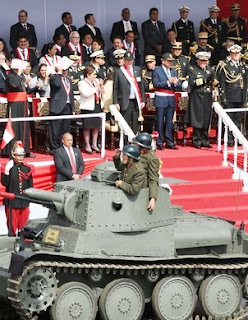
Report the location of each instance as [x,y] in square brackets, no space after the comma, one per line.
[23,53]
[72,161]
[69,29]
[156,25]
[127,26]
[25,26]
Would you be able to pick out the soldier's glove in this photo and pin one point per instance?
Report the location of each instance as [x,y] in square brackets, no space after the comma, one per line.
[8,166]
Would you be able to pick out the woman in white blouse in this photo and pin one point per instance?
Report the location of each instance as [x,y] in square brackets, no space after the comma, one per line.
[90,102]
[50,58]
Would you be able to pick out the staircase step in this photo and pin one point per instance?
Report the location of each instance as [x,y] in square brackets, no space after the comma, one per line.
[214,160]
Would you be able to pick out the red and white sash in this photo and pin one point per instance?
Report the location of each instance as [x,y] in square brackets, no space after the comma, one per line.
[67,86]
[52,62]
[126,47]
[79,49]
[98,91]
[133,82]
[21,56]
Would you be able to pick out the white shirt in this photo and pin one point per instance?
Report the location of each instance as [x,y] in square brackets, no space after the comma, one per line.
[25,55]
[58,47]
[184,21]
[68,153]
[214,21]
[91,28]
[127,25]
[75,48]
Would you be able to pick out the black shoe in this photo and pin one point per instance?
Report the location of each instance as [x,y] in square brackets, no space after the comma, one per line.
[197,146]
[96,149]
[209,146]
[88,151]
[230,144]
[160,147]
[30,155]
[173,147]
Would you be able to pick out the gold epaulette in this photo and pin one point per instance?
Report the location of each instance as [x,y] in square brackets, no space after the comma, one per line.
[226,20]
[143,72]
[220,65]
[191,68]
[193,49]
[208,45]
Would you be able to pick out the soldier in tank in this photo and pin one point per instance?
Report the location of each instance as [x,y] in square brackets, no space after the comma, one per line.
[151,164]
[133,176]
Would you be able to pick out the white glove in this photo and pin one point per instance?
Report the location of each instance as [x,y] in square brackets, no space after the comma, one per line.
[185,85]
[8,166]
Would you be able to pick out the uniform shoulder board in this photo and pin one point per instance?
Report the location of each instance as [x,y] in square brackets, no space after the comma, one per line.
[191,68]
[226,20]
[208,45]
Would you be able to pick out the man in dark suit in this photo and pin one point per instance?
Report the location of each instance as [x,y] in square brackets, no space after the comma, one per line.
[89,28]
[61,103]
[68,160]
[121,27]
[130,45]
[74,47]
[22,28]
[66,27]
[184,29]
[165,81]
[117,45]
[154,35]
[60,41]
[129,91]
[2,74]
[24,53]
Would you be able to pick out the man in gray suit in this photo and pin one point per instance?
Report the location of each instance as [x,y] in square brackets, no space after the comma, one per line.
[68,160]
[129,91]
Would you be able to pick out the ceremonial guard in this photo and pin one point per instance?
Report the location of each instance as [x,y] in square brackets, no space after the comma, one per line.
[184,29]
[214,27]
[75,73]
[202,46]
[16,178]
[201,81]
[233,82]
[235,26]
[98,62]
[181,62]
[151,165]
[133,177]
[150,61]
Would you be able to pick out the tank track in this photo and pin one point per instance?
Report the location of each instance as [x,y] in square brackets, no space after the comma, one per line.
[24,314]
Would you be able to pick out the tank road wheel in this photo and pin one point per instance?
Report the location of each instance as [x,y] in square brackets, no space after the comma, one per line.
[75,301]
[220,295]
[122,299]
[174,298]
[37,289]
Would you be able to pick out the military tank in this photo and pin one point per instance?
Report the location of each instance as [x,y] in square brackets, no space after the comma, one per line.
[101,253]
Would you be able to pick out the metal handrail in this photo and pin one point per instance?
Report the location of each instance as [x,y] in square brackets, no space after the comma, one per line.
[238,138]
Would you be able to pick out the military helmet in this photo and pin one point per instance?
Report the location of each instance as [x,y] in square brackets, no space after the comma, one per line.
[144,140]
[131,151]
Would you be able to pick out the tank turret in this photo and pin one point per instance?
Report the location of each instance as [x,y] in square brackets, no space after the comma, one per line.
[100,251]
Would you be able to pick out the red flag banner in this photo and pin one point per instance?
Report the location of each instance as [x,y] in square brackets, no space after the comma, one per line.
[8,134]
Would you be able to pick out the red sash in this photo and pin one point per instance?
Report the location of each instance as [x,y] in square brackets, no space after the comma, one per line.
[133,82]
[67,87]
[164,91]
[49,63]
[76,51]
[20,55]
[17,96]
[98,91]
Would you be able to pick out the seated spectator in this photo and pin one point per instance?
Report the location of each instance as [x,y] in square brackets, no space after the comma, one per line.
[130,45]
[40,83]
[4,49]
[74,47]
[90,93]
[98,62]
[132,172]
[117,45]
[87,42]
[171,35]
[28,75]
[49,56]
[96,45]
[68,160]
[60,41]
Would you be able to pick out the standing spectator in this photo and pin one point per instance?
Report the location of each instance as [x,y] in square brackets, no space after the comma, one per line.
[165,81]
[98,62]
[24,53]
[233,83]
[215,29]
[235,26]
[75,73]
[117,45]
[18,104]
[68,160]
[184,29]
[23,28]
[150,61]
[17,177]
[2,74]
[130,45]
[181,63]
[90,28]
[154,35]
[120,28]
[4,49]
[201,81]
[61,103]
[50,58]
[74,47]
[90,92]
[40,83]
[66,27]
[129,92]
[60,41]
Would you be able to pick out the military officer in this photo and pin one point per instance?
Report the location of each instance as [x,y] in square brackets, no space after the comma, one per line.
[201,81]
[151,164]
[200,47]
[235,26]
[214,27]
[233,83]
[184,29]
[75,73]
[181,63]
[133,177]
[150,61]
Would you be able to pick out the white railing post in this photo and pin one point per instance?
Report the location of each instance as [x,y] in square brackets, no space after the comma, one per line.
[235,155]
[245,180]
[103,135]
[224,162]
[219,132]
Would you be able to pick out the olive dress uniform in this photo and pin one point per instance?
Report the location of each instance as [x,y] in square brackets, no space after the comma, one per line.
[200,103]
[133,176]
[76,74]
[197,48]
[151,164]
[233,83]
[147,76]
[182,65]
[235,29]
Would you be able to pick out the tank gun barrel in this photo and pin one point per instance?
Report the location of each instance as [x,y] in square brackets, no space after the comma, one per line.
[12,196]
[38,194]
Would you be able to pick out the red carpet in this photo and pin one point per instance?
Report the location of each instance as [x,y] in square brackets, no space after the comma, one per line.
[208,187]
